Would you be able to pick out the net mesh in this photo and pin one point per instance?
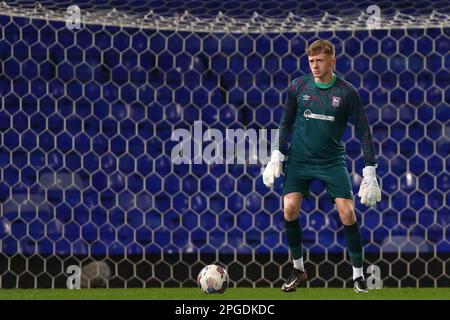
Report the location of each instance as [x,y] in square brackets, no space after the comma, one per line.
[87,116]
[240,17]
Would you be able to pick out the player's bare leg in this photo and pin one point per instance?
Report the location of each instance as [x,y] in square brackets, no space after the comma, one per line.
[346,209]
[292,203]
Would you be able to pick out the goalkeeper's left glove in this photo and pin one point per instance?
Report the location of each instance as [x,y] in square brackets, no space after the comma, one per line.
[369,190]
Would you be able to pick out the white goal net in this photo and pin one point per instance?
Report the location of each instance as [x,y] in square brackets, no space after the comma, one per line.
[88,111]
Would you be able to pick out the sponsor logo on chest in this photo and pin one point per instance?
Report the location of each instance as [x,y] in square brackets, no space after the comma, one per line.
[308,114]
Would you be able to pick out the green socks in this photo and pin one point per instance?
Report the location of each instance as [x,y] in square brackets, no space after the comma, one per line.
[294,237]
[354,244]
[352,234]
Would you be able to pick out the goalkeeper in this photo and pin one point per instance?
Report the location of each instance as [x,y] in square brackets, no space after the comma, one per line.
[317,110]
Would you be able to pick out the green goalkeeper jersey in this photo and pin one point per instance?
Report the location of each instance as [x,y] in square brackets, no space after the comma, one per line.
[317,116]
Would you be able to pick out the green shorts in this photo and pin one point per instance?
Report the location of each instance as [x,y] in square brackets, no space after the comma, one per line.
[335,177]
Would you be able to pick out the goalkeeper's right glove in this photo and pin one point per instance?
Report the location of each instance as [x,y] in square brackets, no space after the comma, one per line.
[274,168]
[369,191]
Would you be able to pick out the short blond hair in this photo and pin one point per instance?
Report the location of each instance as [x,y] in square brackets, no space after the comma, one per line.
[320,46]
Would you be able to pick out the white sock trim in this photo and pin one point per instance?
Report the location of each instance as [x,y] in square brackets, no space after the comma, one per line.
[298,264]
[357,272]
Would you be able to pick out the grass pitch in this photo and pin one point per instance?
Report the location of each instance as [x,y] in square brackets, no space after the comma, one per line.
[230,294]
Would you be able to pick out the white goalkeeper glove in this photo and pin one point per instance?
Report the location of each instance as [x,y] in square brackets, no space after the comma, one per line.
[274,168]
[369,191]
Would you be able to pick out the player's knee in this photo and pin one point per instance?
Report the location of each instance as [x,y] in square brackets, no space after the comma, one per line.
[348,216]
[346,209]
[291,213]
[291,210]
[291,207]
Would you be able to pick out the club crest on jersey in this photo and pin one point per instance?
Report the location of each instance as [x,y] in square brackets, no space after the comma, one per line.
[336,101]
